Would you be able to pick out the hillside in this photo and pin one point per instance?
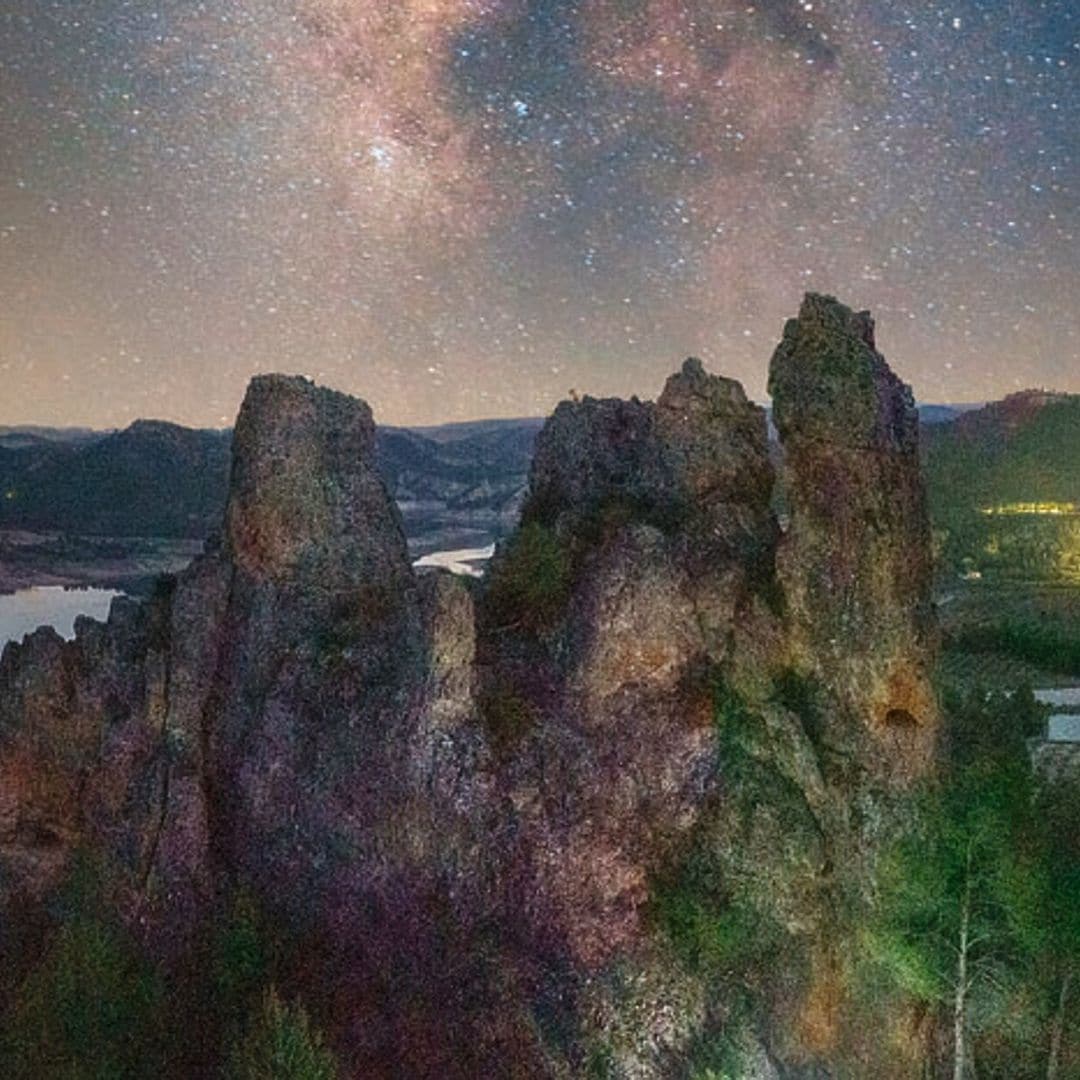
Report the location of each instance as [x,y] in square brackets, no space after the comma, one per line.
[152,479]
[1023,449]
[1003,484]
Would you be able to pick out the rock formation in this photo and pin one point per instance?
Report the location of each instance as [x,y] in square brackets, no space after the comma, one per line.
[855,563]
[482,816]
[656,519]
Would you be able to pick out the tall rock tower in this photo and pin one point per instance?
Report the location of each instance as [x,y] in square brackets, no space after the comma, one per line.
[855,561]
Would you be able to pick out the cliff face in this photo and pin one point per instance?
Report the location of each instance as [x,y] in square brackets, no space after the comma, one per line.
[321,652]
[470,807]
[855,563]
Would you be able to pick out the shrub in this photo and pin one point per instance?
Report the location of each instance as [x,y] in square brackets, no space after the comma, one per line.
[600,1063]
[507,715]
[241,963]
[93,1008]
[530,585]
[281,1044]
[713,936]
[991,725]
[1054,648]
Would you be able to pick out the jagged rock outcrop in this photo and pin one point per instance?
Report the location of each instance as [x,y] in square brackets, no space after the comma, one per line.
[321,650]
[854,568]
[470,806]
[656,519]
[855,563]
[690,457]
[85,766]
[255,692]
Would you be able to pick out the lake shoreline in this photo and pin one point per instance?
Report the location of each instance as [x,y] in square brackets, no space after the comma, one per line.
[129,564]
[28,610]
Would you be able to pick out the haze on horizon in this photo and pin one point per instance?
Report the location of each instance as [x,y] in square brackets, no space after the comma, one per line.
[460,209]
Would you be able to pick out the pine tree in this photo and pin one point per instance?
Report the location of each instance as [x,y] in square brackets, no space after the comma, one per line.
[281,1044]
[93,1008]
[1059,810]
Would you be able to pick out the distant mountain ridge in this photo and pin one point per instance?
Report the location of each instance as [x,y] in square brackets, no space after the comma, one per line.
[154,478]
[932,414]
[151,479]
[461,484]
[14,437]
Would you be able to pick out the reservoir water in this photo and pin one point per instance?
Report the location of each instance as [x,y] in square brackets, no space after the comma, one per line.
[23,611]
[50,605]
[469,562]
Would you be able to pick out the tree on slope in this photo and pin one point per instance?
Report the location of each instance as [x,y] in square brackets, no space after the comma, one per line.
[1059,810]
[281,1044]
[961,895]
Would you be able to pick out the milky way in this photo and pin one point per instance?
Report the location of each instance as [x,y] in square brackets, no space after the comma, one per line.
[462,208]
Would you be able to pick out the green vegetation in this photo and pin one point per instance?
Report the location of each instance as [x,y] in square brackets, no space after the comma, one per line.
[94,1008]
[745,752]
[280,1044]
[91,1009]
[1003,636]
[991,724]
[1048,645]
[1058,807]
[717,905]
[724,938]
[241,962]
[1016,456]
[600,1063]
[1024,547]
[740,731]
[612,514]
[974,918]
[723,1056]
[530,584]
[1002,485]
[262,1037]
[713,934]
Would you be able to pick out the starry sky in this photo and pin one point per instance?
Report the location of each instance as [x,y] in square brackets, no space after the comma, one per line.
[464,208]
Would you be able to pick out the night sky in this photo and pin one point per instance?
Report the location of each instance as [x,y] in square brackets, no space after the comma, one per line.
[464,208]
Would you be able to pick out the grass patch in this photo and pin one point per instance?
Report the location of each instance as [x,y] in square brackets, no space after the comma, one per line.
[600,1063]
[713,935]
[281,1044]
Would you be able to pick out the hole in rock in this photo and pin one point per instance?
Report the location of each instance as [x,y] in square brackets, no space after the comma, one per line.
[900,718]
